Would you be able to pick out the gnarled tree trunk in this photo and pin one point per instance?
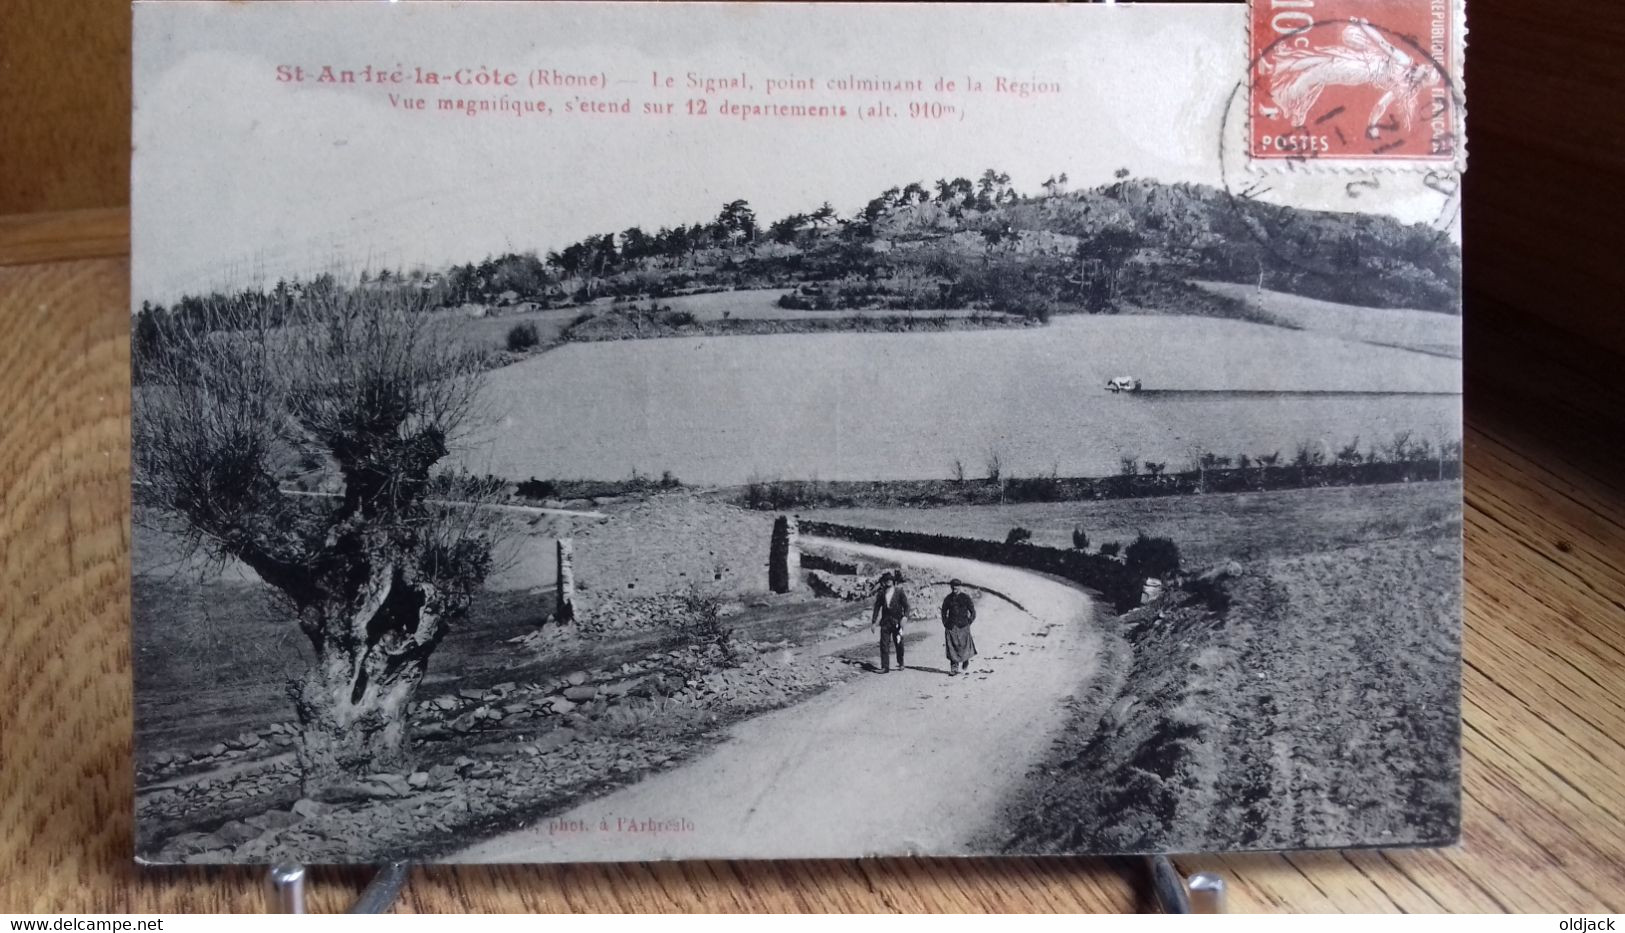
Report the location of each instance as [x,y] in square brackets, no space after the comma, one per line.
[352,703]
[343,737]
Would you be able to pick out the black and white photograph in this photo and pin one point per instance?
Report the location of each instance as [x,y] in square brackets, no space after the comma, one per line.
[623,432]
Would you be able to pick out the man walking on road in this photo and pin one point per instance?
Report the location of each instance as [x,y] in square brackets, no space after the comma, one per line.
[891,608]
[958,612]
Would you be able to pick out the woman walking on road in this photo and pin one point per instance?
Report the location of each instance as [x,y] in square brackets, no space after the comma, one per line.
[958,612]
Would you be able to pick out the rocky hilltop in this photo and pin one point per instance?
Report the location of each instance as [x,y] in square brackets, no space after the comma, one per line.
[958,245]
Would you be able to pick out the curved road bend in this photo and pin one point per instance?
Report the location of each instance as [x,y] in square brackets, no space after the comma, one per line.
[907,763]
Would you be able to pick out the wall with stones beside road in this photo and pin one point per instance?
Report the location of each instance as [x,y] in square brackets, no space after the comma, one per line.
[1097,572]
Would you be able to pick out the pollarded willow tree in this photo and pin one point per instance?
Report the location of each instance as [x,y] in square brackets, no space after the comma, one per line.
[362,386]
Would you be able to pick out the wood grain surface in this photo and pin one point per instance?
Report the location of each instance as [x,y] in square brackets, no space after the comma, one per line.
[1545,195]
[64,105]
[1544,805]
[1545,528]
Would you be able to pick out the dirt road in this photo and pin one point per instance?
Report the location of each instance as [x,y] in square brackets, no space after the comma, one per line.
[912,762]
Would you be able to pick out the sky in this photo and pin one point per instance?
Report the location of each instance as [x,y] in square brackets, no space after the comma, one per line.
[239,179]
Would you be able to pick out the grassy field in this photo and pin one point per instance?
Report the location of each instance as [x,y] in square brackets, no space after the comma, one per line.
[866,406]
[490,329]
[1241,526]
[763,304]
[1312,700]
[1314,704]
[1424,331]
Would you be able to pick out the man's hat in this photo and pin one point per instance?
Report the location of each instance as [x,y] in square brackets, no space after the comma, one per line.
[956,582]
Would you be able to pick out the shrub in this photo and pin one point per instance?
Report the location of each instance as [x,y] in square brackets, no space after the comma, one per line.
[757,493]
[522,337]
[1152,557]
[1308,455]
[1350,454]
[1034,489]
[1080,541]
[778,495]
[534,488]
[460,485]
[1110,549]
[1018,535]
[701,623]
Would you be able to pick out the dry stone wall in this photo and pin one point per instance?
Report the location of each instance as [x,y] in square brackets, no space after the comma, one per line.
[1104,574]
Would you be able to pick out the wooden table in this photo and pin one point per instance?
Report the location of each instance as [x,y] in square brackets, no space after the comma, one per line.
[1545,528]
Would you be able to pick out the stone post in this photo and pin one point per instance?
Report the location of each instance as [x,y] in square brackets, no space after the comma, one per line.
[783,556]
[1151,591]
[566,613]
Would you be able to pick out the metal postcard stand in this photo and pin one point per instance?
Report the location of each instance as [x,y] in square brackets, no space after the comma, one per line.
[1202,893]
[285,889]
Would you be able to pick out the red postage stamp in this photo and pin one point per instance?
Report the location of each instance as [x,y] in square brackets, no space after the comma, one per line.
[1353,79]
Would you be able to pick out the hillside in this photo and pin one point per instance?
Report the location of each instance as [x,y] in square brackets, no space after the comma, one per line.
[959,245]
[985,246]
[1411,329]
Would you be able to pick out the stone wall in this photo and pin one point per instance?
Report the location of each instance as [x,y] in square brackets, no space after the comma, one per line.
[811,561]
[1103,574]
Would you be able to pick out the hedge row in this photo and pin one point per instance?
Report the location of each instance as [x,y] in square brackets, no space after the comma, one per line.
[780,495]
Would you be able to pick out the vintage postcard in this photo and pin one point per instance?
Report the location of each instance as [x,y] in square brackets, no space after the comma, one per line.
[620,431]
